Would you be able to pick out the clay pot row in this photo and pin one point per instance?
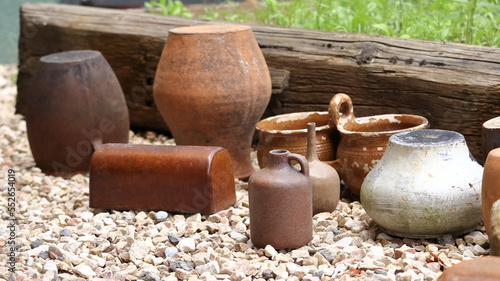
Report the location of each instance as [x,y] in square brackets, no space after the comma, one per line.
[351,145]
[76,104]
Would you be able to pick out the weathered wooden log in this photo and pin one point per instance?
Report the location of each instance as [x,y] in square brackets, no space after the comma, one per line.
[455,86]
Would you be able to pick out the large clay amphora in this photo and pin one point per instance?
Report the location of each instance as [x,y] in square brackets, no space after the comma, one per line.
[212,86]
[363,140]
[75,103]
[280,198]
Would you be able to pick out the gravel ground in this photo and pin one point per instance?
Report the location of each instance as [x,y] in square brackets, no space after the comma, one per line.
[60,238]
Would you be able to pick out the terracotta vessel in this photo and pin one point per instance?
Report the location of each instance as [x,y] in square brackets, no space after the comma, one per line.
[187,179]
[425,186]
[212,86]
[490,136]
[494,229]
[280,199]
[484,268]
[491,185]
[325,179]
[74,104]
[289,132]
[363,140]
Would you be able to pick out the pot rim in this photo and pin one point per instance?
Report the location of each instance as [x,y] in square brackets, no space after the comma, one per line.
[288,116]
[360,120]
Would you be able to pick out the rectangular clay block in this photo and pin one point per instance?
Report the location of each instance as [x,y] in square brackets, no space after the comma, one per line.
[186,179]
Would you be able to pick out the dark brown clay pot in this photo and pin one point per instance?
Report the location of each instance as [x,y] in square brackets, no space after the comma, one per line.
[187,179]
[280,199]
[212,86]
[490,136]
[325,179]
[490,185]
[363,140]
[486,268]
[289,132]
[74,104]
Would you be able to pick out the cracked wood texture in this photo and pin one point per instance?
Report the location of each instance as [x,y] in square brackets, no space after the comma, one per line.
[455,86]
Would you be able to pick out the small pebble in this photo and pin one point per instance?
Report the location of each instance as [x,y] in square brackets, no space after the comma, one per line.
[174,239]
[161,216]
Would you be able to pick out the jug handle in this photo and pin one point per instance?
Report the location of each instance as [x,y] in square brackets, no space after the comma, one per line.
[304,165]
[341,110]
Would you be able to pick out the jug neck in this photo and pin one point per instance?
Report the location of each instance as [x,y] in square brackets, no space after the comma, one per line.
[312,154]
[278,157]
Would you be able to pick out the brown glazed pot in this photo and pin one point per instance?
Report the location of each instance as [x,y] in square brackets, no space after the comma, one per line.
[187,179]
[486,268]
[491,185]
[74,104]
[325,179]
[280,199]
[212,86]
[490,136]
[363,140]
[289,132]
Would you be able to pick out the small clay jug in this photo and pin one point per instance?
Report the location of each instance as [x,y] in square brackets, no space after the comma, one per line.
[363,140]
[325,179]
[490,136]
[280,198]
[74,104]
[211,87]
[491,185]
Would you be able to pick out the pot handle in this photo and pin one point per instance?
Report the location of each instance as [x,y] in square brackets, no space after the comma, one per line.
[341,111]
[304,165]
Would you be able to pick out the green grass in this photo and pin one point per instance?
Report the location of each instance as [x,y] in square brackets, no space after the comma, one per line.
[463,21]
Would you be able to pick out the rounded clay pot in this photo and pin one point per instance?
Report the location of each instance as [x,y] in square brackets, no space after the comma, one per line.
[325,179]
[74,104]
[212,86]
[490,134]
[289,132]
[490,185]
[425,186]
[280,200]
[363,140]
[486,268]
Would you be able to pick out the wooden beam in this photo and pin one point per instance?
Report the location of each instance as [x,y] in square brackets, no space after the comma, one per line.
[455,86]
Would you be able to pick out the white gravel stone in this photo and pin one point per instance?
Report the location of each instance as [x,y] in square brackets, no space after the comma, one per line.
[269,251]
[187,245]
[84,271]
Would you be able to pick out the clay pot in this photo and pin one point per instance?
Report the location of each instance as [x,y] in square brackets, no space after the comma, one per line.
[490,136]
[425,186]
[363,140]
[289,132]
[491,185]
[484,268]
[212,86]
[325,180]
[74,104]
[280,200]
[187,179]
